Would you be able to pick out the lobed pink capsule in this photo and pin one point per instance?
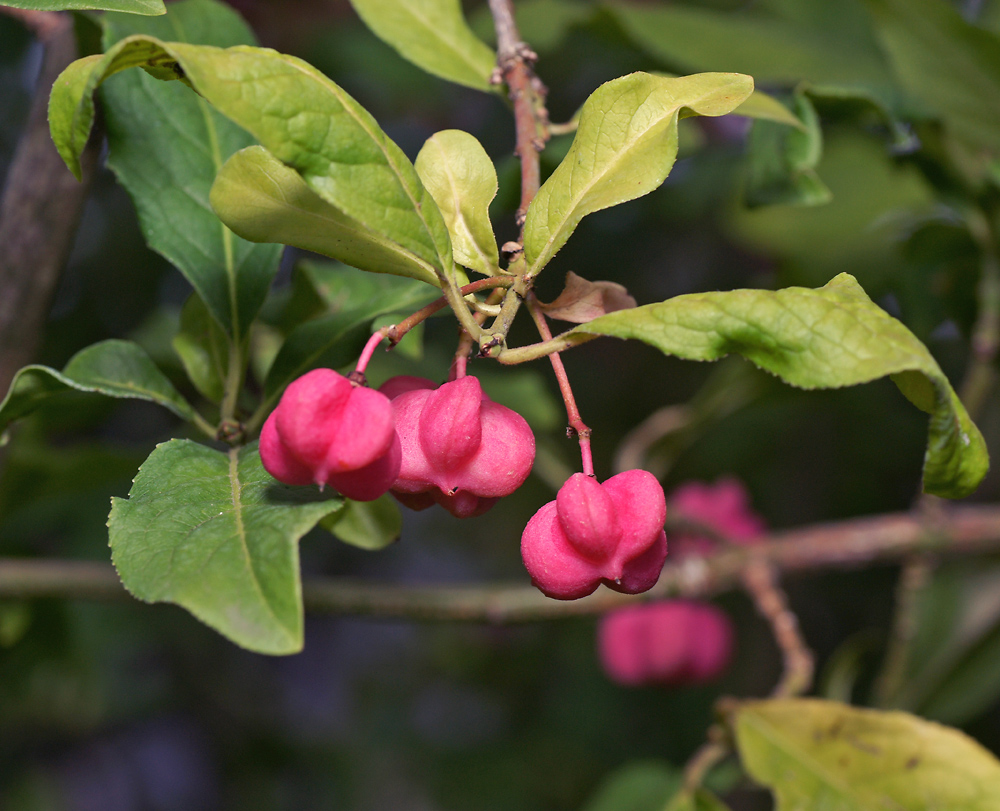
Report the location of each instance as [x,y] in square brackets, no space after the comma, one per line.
[723,507]
[459,448]
[328,431]
[670,643]
[594,533]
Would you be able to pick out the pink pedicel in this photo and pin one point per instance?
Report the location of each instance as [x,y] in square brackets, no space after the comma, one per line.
[328,431]
[594,533]
[723,507]
[670,643]
[460,449]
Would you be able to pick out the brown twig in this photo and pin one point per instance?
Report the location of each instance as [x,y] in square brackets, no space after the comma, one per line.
[39,210]
[43,24]
[527,93]
[963,530]
[760,579]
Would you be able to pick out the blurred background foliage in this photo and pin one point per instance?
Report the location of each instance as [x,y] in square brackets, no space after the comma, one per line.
[135,708]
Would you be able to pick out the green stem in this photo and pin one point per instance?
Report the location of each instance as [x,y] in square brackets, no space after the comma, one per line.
[234,383]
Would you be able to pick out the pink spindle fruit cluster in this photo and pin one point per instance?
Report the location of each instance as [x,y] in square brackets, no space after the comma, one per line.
[460,449]
[449,445]
[594,533]
[681,642]
[670,643]
[328,431]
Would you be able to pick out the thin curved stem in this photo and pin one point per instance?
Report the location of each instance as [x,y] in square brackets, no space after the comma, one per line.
[577,427]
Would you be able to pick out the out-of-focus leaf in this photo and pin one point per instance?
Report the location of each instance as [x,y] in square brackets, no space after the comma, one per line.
[215,533]
[874,199]
[624,147]
[461,178]
[202,347]
[821,754]
[309,123]
[827,338]
[946,62]
[166,145]
[263,200]
[951,673]
[818,42]
[698,800]
[783,160]
[335,340]
[370,525]
[548,21]
[434,36]
[146,7]
[639,786]
[582,301]
[767,108]
[112,368]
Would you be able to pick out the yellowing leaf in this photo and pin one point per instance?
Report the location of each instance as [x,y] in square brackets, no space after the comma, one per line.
[820,754]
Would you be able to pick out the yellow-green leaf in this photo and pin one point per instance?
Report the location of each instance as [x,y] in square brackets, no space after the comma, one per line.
[301,117]
[433,35]
[826,338]
[461,178]
[624,147]
[263,200]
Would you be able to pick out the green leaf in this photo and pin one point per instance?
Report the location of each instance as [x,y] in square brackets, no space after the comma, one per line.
[767,108]
[461,178]
[782,161]
[699,800]
[637,786]
[826,43]
[820,754]
[166,145]
[263,200]
[827,338]
[946,62]
[952,666]
[112,368]
[370,525]
[202,347]
[301,117]
[434,36]
[337,339]
[624,148]
[147,7]
[214,533]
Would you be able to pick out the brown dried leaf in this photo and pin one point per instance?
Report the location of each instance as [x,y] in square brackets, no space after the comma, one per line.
[582,301]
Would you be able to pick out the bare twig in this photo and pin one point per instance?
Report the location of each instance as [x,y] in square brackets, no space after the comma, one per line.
[914,577]
[761,581]
[527,93]
[963,530]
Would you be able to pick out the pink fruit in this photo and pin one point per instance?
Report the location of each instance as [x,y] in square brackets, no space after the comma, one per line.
[459,448]
[674,642]
[327,430]
[594,533]
[723,507]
